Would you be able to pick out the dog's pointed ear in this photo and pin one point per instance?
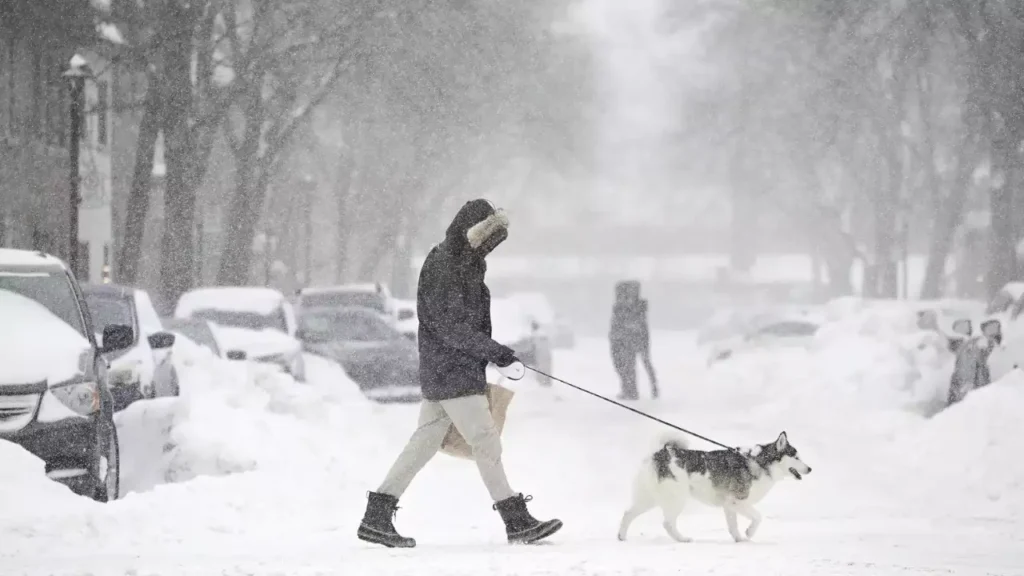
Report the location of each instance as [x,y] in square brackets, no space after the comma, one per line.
[782,442]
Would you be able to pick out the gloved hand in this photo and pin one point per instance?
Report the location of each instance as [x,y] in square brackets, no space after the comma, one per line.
[514,371]
[509,366]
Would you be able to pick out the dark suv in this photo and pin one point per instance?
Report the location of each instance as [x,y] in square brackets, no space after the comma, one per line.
[54,396]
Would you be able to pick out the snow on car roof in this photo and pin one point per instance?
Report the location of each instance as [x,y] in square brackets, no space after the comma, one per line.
[28,258]
[256,299]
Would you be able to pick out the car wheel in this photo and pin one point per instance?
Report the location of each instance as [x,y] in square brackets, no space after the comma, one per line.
[106,466]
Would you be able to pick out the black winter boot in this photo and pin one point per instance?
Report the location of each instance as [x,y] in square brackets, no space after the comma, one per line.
[521,527]
[377,527]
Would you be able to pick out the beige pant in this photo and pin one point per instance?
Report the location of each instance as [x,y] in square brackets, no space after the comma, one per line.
[472,417]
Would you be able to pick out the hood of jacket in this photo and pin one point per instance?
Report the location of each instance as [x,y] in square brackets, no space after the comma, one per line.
[478,228]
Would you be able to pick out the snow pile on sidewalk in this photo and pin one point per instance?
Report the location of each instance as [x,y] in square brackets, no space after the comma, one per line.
[231,417]
[865,360]
[27,492]
[973,450]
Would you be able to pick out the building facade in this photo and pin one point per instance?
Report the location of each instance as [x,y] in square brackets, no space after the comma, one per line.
[37,40]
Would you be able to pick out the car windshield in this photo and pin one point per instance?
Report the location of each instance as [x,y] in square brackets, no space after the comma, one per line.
[344,299]
[196,331]
[52,289]
[345,327]
[242,319]
[107,310]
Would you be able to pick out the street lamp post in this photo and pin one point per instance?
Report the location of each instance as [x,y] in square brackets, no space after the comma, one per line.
[76,73]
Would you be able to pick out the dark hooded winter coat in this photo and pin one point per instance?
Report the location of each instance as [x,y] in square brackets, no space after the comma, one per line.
[454,309]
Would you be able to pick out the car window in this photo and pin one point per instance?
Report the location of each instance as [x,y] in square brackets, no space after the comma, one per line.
[107,310]
[1000,303]
[242,319]
[51,289]
[346,327]
[149,320]
[196,331]
[788,329]
[344,299]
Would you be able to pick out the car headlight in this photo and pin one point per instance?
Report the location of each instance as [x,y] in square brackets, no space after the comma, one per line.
[83,397]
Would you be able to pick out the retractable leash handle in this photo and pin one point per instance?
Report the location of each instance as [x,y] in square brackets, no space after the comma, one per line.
[635,411]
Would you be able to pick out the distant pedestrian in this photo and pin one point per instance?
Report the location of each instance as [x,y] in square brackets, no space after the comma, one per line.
[455,344]
[630,335]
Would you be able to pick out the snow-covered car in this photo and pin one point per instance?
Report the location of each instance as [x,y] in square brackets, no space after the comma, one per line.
[257,321]
[536,305]
[731,323]
[145,369]
[384,363]
[373,295]
[55,398]
[783,333]
[514,327]
[408,321]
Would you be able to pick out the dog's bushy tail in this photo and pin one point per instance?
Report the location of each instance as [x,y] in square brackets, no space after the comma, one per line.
[673,438]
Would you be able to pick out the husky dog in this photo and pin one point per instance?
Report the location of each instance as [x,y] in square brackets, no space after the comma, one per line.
[734,480]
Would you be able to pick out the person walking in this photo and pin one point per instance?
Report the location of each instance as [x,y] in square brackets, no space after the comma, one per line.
[629,336]
[455,346]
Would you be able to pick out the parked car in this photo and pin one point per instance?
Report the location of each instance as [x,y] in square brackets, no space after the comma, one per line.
[143,370]
[729,324]
[408,321]
[783,333]
[383,362]
[512,326]
[55,398]
[373,295]
[258,321]
[539,309]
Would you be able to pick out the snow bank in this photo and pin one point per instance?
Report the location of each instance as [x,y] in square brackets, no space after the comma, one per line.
[862,360]
[974,449]
[27,492]
[231,417]
[35,345]
[865,401]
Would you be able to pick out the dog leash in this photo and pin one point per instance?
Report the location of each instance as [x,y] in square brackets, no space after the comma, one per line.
[640,412]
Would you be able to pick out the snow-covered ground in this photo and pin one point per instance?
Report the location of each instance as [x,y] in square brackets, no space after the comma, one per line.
[250,473]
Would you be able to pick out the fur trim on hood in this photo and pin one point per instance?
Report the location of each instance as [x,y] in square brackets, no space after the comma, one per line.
[478,226]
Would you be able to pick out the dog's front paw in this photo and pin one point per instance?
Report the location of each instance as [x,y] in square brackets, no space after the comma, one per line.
[751,531]
[621,537]
[740,539]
